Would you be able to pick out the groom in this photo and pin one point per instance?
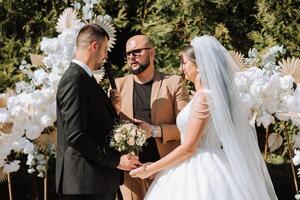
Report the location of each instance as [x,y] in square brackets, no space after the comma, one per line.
[86,168]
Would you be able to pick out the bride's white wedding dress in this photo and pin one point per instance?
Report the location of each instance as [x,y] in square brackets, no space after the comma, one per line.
[234,172]
[204,176]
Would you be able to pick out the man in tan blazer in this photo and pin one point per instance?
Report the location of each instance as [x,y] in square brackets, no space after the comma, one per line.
[152,100]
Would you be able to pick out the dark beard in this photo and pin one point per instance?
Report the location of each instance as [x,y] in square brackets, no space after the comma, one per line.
[141,68]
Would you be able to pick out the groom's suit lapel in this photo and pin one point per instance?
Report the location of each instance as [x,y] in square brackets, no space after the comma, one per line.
[104,96]
[97,88]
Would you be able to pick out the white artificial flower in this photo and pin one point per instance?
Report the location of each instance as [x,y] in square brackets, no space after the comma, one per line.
[23,62]
[23,86]
[293,103]
[17,111]
[296,139]
[266,119]
[296,158]
[67,38]
[30,160]
[87,12]
[272,53]
[40,168]
[76,5]
[27,146]
[39,76]
[33,131]
[50,45]
[256,88]
[41,174]
[46,121]
[286,82]
[4,115]
[11,167]
[252,53]
[271,68]
[90,1]
[31,170]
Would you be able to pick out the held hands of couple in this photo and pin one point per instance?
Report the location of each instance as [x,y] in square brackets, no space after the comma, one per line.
[128,162]
[142,172]
[116,100]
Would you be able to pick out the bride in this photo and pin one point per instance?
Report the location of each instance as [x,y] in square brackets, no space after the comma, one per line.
[218,157]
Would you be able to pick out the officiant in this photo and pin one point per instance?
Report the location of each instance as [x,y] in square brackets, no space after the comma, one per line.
[152,100]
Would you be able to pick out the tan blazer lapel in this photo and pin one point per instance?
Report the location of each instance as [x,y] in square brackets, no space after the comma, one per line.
[128,97]
[157,81]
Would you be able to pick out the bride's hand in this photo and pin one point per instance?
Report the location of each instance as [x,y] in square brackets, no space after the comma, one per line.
[141,172]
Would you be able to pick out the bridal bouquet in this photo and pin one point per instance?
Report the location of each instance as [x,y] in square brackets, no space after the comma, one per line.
[128,138]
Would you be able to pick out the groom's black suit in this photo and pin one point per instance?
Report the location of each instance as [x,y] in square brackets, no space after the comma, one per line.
[85,116]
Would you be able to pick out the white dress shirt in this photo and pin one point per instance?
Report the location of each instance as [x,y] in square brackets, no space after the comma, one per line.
[84,67]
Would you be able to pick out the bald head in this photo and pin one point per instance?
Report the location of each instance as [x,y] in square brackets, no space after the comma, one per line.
[138,42]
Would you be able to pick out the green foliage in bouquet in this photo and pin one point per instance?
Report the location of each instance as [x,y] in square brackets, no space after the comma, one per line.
[279,21]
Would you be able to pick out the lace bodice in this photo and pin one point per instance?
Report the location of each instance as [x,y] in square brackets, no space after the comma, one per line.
[196,108]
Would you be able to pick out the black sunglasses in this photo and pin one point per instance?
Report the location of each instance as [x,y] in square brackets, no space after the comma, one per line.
[136,52]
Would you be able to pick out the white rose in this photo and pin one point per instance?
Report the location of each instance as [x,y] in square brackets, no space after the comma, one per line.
[130,141]
[286,82]
[117,137]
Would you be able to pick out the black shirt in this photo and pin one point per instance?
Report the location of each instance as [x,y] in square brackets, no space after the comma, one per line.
[142,111]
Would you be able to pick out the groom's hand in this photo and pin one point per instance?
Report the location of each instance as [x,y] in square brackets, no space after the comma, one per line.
[128,162]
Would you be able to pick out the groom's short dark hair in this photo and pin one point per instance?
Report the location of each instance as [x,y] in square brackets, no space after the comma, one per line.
[90,33]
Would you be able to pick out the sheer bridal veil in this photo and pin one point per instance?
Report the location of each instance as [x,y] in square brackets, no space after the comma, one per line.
[230,119]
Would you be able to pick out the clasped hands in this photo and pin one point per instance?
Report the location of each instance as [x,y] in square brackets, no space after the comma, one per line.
[137,169]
